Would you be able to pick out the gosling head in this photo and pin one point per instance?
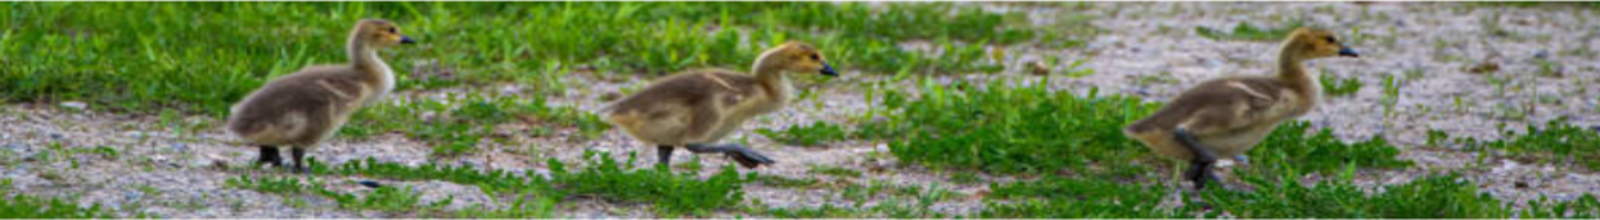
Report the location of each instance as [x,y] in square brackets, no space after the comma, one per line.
[795,57]
[1313,43]
[379,33]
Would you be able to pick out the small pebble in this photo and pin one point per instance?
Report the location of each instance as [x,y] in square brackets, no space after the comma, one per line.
[19,148]
[180,147]
[74,105]
[132,195]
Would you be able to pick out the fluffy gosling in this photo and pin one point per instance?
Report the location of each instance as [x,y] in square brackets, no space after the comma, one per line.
[304,108]
[695,108]
[1225,117]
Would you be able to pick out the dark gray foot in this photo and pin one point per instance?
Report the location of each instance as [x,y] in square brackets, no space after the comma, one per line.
[299,155]
[665,152]
[746,157]
[1200,165]
[269,156]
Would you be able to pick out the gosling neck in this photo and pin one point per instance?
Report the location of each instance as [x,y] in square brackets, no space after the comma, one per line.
[364,58]
[362,55]
[771,78]
[1294,74]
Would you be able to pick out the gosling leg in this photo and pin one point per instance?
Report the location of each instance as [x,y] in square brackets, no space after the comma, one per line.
[665,152]
[1200,165]
[299,155]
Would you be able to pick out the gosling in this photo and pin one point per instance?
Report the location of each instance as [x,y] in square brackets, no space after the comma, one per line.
[1228,116]
[306,107]
[695,108]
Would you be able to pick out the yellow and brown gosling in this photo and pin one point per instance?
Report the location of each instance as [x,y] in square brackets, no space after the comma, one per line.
[304,108]
[695,108]
[1225,117]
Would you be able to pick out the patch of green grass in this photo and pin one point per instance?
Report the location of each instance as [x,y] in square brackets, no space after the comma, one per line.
[1020,130]
[897,202]
[274,185]
[1009,129]
[783,182]
[387,199]
[1336,87]
[495,181]
[1556,142]
[459,124]
[826,210]
[530,206]
[15,205]
[835,171]
[810,135]
[200,57]
[1054,197]
[672,193]
[1280,196]
[1247,32]
[1277,193]
[1529,4]
[1296,146]
[1585,206]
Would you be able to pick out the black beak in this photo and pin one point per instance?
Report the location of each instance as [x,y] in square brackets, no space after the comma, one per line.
[1347,52]
[406,40]
[828,70]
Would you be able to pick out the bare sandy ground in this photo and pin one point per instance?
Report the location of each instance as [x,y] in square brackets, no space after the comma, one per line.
[1145,49]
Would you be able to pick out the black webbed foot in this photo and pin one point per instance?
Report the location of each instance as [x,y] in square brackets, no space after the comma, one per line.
[744,156]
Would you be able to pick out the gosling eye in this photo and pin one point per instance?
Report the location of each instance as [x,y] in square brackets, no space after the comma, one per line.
[396,31]
[816,57]
[1331,40]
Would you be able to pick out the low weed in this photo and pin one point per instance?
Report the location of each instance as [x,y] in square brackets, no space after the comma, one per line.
[1558,141]
[1019,130]
[1534,4]
[387,199]
[1010,129]
[1056,197]
[459,124]
[671,193]
[1336,87]
[784,182]
[1296,146]
[809,135]
[1585,206]
[202,57]
[826,210]
[273,185]
[1247,32]
[525,206]
[1282,196]
[835,171]
[16,205]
